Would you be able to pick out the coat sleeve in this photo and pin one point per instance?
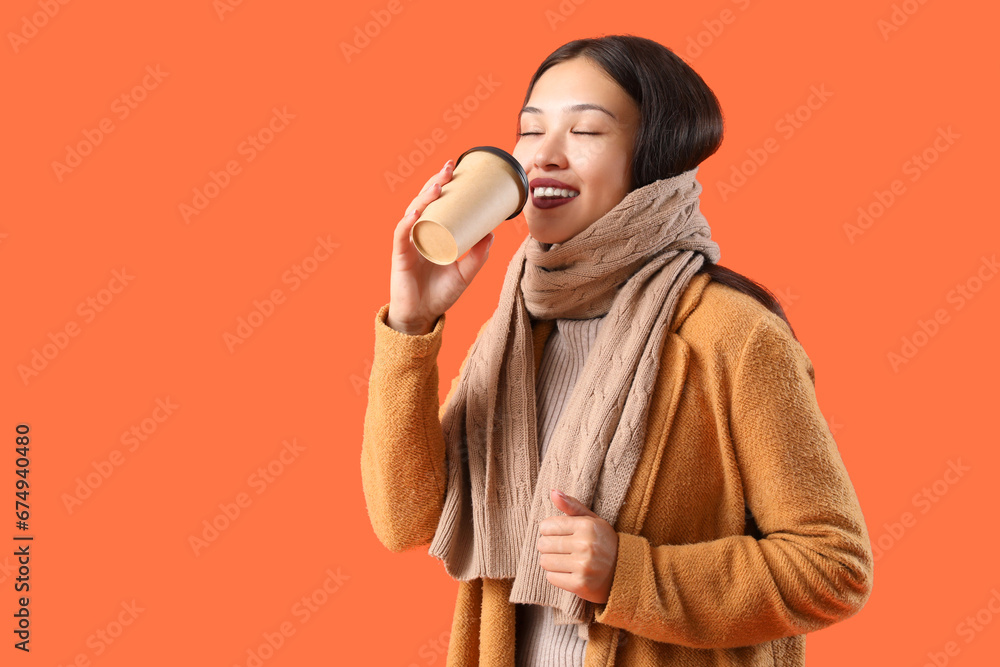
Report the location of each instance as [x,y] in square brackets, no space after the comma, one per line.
[812,567]
[403,471]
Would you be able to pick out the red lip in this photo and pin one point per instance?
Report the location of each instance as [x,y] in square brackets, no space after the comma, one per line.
[550,183]
[550,202]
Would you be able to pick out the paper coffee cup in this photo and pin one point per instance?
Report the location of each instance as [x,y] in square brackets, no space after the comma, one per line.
[487,187]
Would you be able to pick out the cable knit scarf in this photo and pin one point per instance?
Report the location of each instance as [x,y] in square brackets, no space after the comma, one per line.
[632,265]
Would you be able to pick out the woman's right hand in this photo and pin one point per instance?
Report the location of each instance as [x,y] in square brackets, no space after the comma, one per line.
[420,291]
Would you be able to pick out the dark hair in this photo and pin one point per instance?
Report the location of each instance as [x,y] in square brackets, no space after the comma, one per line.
[681,121]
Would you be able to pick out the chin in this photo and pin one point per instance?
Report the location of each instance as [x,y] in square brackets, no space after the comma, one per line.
[545,235]
[546,238]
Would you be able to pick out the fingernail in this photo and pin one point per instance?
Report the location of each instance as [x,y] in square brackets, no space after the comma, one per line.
[489,244]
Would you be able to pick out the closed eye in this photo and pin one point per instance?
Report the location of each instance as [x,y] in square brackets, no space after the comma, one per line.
[528,134]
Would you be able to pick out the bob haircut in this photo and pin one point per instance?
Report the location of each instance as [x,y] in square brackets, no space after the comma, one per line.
[680,121]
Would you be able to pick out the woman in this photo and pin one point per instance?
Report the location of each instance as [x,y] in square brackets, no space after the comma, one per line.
[706,516]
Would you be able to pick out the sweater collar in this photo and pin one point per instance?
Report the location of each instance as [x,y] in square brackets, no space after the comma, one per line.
[689,300]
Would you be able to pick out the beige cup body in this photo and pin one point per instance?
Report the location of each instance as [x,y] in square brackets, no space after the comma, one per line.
[484,190]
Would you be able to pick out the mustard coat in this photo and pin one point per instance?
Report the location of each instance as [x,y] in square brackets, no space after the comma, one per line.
[741,530]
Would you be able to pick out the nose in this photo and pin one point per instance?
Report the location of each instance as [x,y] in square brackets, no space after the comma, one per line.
[551,153]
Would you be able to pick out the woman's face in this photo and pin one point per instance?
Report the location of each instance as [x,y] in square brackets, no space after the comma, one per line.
[587,150]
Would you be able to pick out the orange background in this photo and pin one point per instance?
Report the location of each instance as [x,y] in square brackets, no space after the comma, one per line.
[301,375]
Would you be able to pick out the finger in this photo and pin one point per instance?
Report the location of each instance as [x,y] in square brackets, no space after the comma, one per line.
[563,581]
[553,544]
[469,265]
[443,174]
[414,211]
[434,186]
[556,564]
[402,240]
[424,198]
[557,525]
[419,204]
[431,190]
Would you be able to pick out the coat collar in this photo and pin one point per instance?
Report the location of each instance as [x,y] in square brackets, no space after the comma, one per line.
[689,300]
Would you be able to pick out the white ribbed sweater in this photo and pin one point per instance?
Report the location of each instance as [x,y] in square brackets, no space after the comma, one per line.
[539,642]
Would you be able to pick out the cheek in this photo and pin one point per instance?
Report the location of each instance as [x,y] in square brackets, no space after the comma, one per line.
[598,155]
[612,170]
[520,153]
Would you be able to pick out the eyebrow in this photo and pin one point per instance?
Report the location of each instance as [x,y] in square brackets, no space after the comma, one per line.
[573,107]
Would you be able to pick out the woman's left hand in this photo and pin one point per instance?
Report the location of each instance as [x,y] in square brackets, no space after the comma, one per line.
[579,551]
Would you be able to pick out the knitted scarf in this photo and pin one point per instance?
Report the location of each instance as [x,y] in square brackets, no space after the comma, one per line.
[631,265]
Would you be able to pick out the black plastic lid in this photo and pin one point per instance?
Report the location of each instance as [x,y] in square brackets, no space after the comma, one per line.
[512,161]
